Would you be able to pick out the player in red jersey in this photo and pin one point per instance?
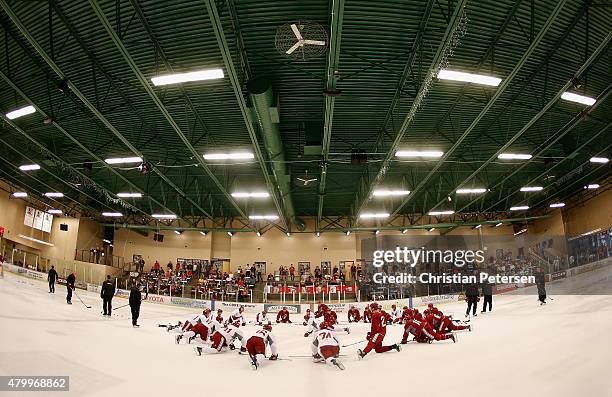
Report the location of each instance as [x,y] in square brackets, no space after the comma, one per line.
[377,333]
[422,331]
[353,315]
[256,345]
[283,316]
[367,314]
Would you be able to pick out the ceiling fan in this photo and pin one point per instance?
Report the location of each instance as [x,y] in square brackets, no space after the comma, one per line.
[301,42]
[305,180]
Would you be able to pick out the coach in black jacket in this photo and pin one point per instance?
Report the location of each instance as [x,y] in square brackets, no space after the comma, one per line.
[70,281]
[135,299]
[107,292]
[471,296]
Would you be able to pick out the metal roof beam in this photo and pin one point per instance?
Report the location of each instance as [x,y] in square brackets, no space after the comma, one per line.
[363,195]
[333,57]
[87,103]
[173,124]
[498,93]
[230,69]
[600,49]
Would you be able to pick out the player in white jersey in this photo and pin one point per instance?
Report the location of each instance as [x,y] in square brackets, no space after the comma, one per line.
[396,314]
[256,345]
[187,324]
[199,325]
[325,346]
[237,316]
[203,329]
[262,318]
[222,339]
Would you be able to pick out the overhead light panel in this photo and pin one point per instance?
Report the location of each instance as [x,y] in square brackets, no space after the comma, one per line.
[404,231]
[20,194]
[477,226]
[471,191]
[318,234]
[164,216]
[258,233]
[107,241]
[54,194]
[557,205]
[573,97]
[197,75]
[520,232]
[203,233]
[123,160]
[592,186]
[263,217]
[112,214]
[532,188]
[348,232]
[229,156]
[177,232]
[419,154]
[54,212]
[377,232]
[600,160]
[230,234]
[288,234]
[387,193]
[519,208]
[129,195]
[431,229]
[29,167]
[370,215]
[445,74]
[250,194]
[436,213]
[24,111]
[499,224]
[514,156]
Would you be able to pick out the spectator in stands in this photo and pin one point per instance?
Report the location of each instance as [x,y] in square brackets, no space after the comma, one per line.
[253,272]
[259,275]
[353,272]
[240,270]
[292,272]
[169,266]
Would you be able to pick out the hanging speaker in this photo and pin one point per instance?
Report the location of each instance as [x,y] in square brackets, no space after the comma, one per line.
[64,227]
[359,157]
[158,237]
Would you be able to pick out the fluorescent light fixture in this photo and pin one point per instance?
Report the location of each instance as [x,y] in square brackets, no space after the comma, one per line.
[250,194]
[471,191]
[404,231]
[318,234]
[29,167]
[514,156]
[520,232]
[54,194]
[436,213]
[129,195]
[572,97]
[387,193]
[288,234]
[498,224]
[258,233]
[54,211]
[112,214]
[203,233]
[557,205]
[377,232]
[601,160]
[431,229]
[419,154]
[163,216]
[348,232]
[106,241]
[519,208]
[197,75]
[24,111]
[20,194]
[592,186]
[36,240]
[445,74]
[531,188]
[177,232]
[230,234]
[370,215]
[477,226]
[266,217]
[123,160]
[229,156]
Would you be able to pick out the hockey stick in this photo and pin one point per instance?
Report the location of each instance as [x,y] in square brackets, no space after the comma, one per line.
[75,294]
[306,356]
[354,343]
[120,307]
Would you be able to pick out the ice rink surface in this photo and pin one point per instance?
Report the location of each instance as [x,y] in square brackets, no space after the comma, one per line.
[520,349]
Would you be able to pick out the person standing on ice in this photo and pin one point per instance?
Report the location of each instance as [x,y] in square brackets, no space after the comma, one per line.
[135,300]
[106,293]
[540,280]
[487,294]
[51,277]
[471,297]
[70,280]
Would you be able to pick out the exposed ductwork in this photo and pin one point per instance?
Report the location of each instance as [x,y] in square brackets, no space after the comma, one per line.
[266,115]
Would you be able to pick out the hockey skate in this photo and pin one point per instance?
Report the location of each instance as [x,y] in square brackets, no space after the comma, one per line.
[348,330]
[198,350]
[337,363]
[178,339]
[254,362]
[396,347]
[360,354]
[453,337]
[317,358]
[191,338]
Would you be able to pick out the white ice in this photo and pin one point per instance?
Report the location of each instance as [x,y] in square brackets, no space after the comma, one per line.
[520,349]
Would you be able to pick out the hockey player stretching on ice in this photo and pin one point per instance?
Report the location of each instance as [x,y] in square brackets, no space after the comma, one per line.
[221,339]
[323,313]
[396,315]
[262,318]
[367,314]
[377,333]
[423,331]
[307,317]
[256,345]
[283,316]
[353,315]
[325,346]
[442,323]
[237,316]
